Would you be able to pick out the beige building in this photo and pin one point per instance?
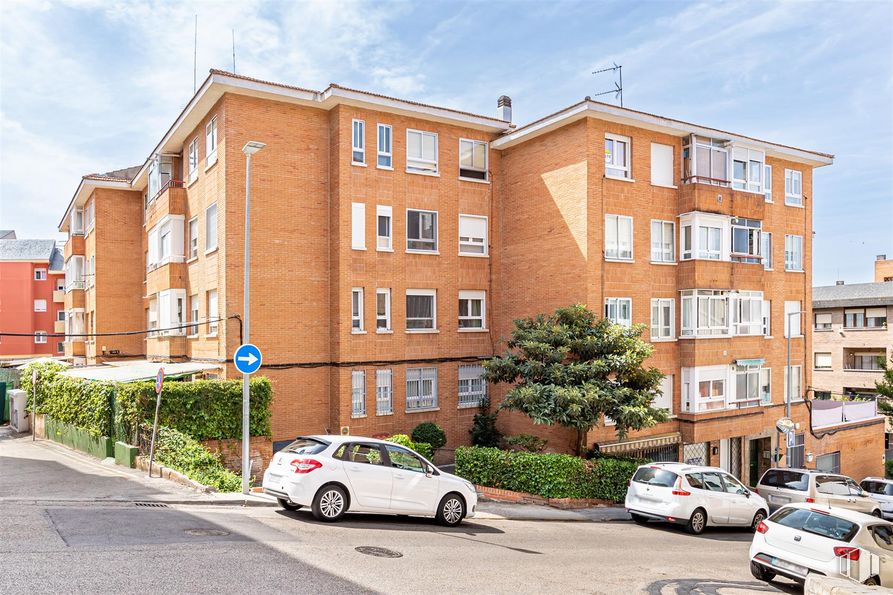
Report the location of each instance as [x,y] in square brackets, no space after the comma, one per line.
[883,269]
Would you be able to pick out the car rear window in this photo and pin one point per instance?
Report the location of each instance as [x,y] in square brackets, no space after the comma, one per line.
[655,476]
[817,523]
[835,486]
[789,480]
[306,446]
[882,535]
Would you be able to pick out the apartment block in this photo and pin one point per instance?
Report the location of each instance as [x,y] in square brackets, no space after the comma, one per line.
[31,297]
[394,242]
[883,269]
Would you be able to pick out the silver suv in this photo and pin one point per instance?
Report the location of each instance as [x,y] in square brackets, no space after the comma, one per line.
[788,486]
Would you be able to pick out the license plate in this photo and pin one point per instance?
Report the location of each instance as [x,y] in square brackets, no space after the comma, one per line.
[779,499]
[778,562]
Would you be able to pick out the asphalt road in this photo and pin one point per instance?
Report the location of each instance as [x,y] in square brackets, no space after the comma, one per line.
[64,529]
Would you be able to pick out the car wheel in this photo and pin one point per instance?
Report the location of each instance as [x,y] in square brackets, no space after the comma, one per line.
[872,582]
[288,505]
[761,573]
[451,510]
[876,513]
[639,519]
[759,517]
[330,503]
[698,522]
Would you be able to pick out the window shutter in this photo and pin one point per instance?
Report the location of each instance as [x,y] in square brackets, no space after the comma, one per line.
[661,165]
[358,226]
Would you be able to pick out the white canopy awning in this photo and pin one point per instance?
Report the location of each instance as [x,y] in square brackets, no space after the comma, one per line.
[137,370]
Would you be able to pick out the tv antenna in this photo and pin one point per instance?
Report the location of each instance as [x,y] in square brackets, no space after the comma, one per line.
[618,86]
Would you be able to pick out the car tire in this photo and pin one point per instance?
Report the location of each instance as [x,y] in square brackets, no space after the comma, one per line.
[757,518]
[761,573]
[877,513]
[330,503]
[289,505]
[872,581]
[698,522]
[639,519]
[451,510]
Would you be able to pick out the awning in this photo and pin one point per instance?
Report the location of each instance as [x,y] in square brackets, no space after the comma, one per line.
[21,364]
[141,370]
[631,445]
[750,362]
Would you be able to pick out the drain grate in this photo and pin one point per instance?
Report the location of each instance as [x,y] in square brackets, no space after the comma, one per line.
[378,552]
[206,532]
[150,504]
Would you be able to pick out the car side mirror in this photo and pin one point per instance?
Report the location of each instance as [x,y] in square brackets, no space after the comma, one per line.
[429,470]
[746,493]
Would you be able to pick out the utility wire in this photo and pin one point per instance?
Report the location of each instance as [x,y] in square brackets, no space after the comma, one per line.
[121,333]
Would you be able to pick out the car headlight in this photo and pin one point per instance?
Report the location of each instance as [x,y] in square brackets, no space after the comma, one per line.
[469,485]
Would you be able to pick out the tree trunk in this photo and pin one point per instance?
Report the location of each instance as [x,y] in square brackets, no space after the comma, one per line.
[581,442]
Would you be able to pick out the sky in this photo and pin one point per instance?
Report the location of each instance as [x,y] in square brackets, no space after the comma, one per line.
[89,86]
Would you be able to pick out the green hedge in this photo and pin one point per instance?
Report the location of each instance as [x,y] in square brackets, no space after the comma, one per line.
[545,474]
[888,468]
[73,401]
[181,453]
[423,448]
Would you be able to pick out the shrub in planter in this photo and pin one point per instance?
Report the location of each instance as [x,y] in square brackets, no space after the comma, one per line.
[431,433]
[525,442]
[423,448]
[181,453]
[483,430]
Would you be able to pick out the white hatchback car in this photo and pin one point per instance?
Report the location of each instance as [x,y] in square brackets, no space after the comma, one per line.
[880,490]
[695,496]
[338,474]
[806,538]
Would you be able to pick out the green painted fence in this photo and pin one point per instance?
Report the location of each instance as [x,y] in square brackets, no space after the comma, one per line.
[78,439]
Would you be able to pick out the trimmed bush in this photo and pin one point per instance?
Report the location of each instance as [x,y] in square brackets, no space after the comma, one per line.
[423,448]
[888,468]
[483,430]
[525,442]
[431,433]
[548,475]
[72,401]
[181,453]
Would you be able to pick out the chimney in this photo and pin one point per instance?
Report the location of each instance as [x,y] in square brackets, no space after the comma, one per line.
[882,257]
[840,283]
[504,108]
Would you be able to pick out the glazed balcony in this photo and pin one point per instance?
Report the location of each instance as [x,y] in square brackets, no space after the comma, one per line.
[711,195]
[170,200]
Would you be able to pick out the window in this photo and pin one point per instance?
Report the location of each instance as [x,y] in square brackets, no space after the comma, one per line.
[211,228]
[404,460]
[385,156]
[709,242]
[193,160]
[472,159]
[705,161]
[384,392]
[752,387]
[384,234]
[663,241]
[472,310]
[473,235]
[90,215]
[421,388]
[40,274]
[472,386]
[356,310]
[358,146]
[164,244]
[823,321]
[421,152]
[865,317]
[617,156]
[705,312]
[160,173]
[358,393]
[60,346]
[421,230]
[77,222]
[40,305]
[40,337]
[792,323]
[662,319]
[711,394]
[865,361]
[795,383]
[746,240]
[665,399]
[382,310]
[822,361]
[213,314]
[767,318]
[618,237]
[766,250]
[793,253]
[193,315]
[655,476]
[421,309]
[703,236]
[211,142]
[796,459]
[358,226]
[767,182]
[661,165]
[60,284]
[193,238]
[60,316]
[619,311]
[747,313]
[747,169]
[793,187]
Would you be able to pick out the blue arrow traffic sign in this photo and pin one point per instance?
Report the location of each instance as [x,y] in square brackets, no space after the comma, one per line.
[247,359]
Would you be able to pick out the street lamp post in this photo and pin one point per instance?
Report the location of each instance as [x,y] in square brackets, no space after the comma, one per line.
[250,148]
[788,395]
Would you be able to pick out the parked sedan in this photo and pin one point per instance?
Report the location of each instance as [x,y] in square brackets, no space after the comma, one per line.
[881,490]
[334,475]
[789,486]
[694,496]
[801,539]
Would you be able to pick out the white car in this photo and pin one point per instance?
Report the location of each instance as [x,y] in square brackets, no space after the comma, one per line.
[880,490]
[338,474]
[695,496]
[805,538]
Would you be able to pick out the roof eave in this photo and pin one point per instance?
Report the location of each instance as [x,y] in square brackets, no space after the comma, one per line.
[86,186]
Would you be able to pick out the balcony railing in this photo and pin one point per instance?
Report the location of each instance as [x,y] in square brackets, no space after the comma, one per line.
[75,285]
[832,413]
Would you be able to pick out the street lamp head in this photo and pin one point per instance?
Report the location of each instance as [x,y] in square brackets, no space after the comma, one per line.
[252,147]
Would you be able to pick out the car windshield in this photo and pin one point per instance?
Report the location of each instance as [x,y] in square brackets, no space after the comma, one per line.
[834,486]
[306,446]
[655,476]
[883,535]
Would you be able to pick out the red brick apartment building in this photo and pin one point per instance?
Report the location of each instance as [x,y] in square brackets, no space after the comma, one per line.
[31,297]
[393,243]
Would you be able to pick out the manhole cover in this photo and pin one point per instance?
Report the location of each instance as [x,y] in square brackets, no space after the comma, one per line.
[378,552]
[206,532]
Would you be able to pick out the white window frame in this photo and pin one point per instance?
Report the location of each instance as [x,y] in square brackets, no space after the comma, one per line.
[387,313]
[471,296]
[40,337]
[796,384]
[357,226]
[409,238]
[358,142]
[614,252]
[793,187]
[357,320]
[746,310]
[660,176]
[384,243]
[694,172]
[471,168]
[358,393]
[192,160]
[757,376]
[383,154]
[40,274]
[472,389]
[663,327]
[792,323]
[420,161]
[698,304]
[211,228]
[614,304]
[624,169]
[659,229]
[192,230]
[827,319]
[754,169]
[826,359]
[467,239]
[416,399]
[212,317]
[693,223]
[192,331]
[211,142]
[665,400]
[714,379]
[432,293]
[793,253]
[384,392]
[40,305]
[767,183]
[766,249]
[753,229]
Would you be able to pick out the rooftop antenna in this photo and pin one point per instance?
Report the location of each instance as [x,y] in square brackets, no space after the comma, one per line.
[618,86]
[195,55]
[234,51]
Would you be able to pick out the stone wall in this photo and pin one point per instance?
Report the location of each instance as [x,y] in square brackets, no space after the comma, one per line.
[260,449]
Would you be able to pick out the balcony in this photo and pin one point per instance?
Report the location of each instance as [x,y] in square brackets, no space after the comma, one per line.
[170,200]
[75,246]
[165,346]
[59,326]
[58,296]
[833,413]
[716,196]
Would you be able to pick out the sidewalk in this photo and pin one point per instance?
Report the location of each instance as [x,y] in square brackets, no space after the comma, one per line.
[535,512]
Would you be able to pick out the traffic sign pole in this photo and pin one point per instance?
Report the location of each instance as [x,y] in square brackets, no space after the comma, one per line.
[34,405]
[159,384]
[247,360]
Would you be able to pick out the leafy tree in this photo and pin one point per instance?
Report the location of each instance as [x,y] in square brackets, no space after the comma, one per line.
[571,369]
[885,389]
